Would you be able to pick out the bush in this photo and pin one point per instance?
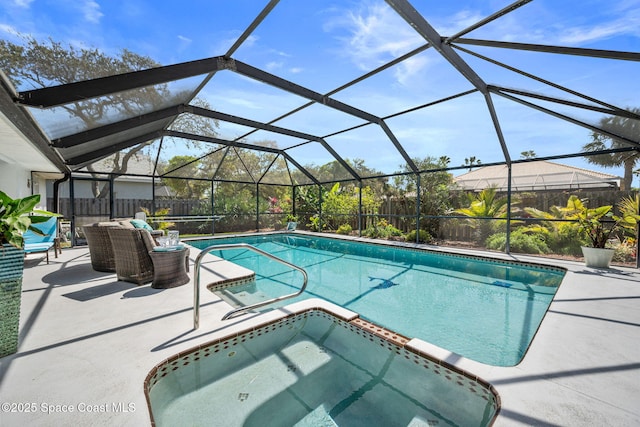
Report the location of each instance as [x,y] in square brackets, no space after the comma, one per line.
[624,251]
[344,229]
[423,237]
[521,242]
[566,241]
[381,230]
[316,223]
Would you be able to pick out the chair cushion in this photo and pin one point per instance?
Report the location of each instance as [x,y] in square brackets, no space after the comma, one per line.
[37,247]
[138,223]
[48,230]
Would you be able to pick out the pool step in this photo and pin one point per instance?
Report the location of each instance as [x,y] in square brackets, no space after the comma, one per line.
[239,293]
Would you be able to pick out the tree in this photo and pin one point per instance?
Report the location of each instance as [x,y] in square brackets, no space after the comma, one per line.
[189,167]
[622,126]
[341,203]
[529,154]
[472,161]
[483,205]
[435,190]
[36,64]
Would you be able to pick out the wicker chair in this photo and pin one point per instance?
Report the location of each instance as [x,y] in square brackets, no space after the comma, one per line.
[100,248]
[131,247]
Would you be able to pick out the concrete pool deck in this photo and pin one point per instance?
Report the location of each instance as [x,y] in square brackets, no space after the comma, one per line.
[88,342]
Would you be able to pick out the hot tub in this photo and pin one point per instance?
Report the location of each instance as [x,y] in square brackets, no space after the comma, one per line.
[315,367]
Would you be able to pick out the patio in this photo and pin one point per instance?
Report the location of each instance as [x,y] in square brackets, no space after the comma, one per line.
[88,342]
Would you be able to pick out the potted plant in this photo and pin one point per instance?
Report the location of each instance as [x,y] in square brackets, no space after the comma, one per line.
[16,217]
[598,225]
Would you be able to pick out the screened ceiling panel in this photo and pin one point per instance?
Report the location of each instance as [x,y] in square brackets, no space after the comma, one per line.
[194,156]
[233,168]
[330,43]
[552,136]
[316,159]
[232,131]
[278,173]
[625,127]
[424,77]
[503,77]
[108,144]
[203,167]
[307,83]
[187,122]
[596,24]
[273,139]
[459,128]
[256,162]
[449,18]
[597,78]
[299,178]
[381,156]
[62,121]
[143,162]
[320,120]
[243,96]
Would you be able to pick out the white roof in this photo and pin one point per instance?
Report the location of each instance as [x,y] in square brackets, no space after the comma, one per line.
[536,176]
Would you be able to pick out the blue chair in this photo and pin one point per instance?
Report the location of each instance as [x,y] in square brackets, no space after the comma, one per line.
[35,243]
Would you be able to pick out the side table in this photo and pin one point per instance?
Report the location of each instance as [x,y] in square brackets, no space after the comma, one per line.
[170,268]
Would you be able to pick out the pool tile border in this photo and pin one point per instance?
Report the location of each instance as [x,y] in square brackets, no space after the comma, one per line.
[409,246]
[228,283]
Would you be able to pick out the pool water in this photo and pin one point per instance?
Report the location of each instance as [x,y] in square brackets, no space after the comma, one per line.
[482,309]
[313,369]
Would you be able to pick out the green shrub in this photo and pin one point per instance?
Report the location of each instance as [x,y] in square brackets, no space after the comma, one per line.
[316,223]
[423,236]
[344,229]
[567,240]
[520,241]
[381,230]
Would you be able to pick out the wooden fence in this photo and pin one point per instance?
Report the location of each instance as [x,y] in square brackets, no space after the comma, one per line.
[399,213]
[123,208]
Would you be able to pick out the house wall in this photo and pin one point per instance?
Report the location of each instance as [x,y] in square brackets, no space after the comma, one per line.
[17,182]
[123,189]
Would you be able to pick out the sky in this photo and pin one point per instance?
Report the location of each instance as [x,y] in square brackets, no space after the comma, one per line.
[325,44]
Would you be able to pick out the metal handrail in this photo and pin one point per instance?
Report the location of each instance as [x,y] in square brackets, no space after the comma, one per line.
[196,281]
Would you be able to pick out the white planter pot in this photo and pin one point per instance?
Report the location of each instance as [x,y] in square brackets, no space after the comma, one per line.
[597,257]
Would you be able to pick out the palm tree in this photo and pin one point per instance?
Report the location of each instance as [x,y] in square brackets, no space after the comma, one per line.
[622,126]
[630,212]
[482,206]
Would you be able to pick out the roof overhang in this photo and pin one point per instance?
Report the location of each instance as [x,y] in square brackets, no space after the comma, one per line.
[21,140]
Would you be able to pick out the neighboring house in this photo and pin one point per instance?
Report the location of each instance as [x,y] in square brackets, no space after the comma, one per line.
[135,186]
[536,176]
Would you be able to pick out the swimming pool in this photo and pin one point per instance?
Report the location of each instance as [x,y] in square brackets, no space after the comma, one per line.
[314,368]
[483,309]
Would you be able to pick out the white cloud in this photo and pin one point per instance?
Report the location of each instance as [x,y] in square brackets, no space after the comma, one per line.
[273,65]
[10,29]
[23,3]
[409,68]
[91,11]
[376,35]
[459,21]
[184,39]
[629,24]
